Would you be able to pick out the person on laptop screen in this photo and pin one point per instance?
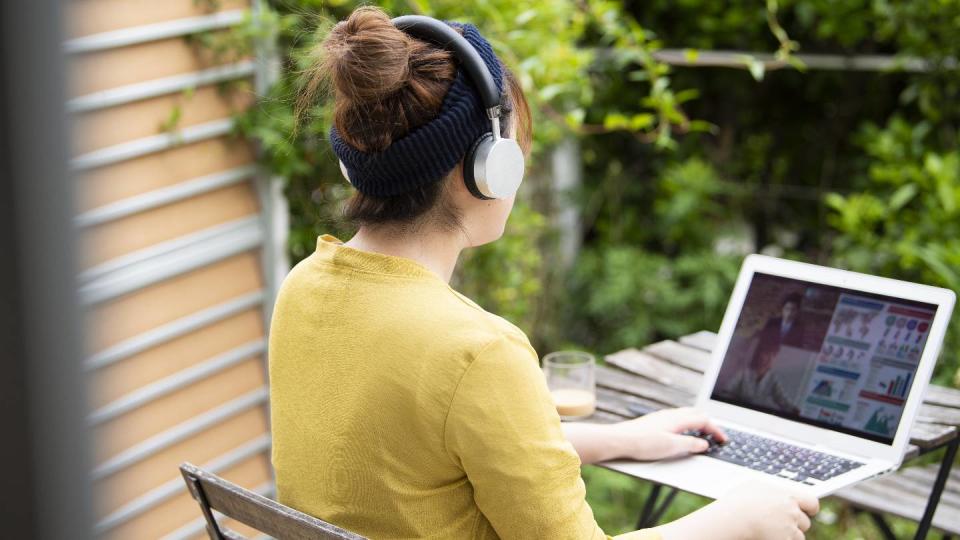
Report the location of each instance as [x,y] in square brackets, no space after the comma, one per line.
[758,384]
[788,328]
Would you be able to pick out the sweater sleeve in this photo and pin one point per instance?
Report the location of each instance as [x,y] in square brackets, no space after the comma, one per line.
[504,432]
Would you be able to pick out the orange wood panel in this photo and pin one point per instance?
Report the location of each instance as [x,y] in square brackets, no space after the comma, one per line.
[115,125]
[142,310]
[110,68]
[145,229]
[115,380]
[124,486]
[163,413]
[161,169]
[182,509]
[231,524]
[86,17]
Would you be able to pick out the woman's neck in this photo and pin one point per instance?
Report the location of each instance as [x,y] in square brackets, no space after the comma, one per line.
[436,251]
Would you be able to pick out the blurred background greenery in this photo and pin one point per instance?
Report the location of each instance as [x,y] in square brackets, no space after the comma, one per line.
[678,171]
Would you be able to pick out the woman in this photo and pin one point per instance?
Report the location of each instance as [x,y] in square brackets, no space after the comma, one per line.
[401,409]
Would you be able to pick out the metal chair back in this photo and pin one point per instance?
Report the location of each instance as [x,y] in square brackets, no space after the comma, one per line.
[268,516]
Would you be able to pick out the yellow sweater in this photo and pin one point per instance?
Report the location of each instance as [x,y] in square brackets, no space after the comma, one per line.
[401,409]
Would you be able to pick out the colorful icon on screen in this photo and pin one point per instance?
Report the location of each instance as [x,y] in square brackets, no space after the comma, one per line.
[889,322]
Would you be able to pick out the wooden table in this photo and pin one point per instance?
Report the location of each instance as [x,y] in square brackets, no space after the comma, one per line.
[669,374]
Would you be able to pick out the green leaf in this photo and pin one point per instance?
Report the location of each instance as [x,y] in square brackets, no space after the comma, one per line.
[933,259]
[615,121]
[702,126]
[902,196]
[551,91]
[525,17]
[641,121]
[835,201]
[684,96]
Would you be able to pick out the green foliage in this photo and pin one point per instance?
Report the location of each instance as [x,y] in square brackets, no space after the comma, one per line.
[633,297]
[905,220]
[669,271]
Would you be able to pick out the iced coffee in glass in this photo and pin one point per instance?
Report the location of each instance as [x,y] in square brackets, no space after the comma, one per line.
[570,378]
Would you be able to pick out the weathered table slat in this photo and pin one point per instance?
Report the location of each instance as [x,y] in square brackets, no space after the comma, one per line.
[939,395]
[617,402]
[911,452]
[704,340]
[657,369]
[939,414]
[604,417]
[919,479]
[680,354]
[618,379]
[931,435]
[887,495]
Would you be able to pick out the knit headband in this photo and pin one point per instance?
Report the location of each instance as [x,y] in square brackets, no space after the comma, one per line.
[429,152]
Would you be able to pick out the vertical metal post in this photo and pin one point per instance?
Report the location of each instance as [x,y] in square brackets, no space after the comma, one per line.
[925,523]
[274,208]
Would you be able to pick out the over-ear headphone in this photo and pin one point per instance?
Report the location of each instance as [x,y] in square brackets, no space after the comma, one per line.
[493,166]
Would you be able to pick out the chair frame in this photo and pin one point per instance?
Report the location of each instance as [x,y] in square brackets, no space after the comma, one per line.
[268,516]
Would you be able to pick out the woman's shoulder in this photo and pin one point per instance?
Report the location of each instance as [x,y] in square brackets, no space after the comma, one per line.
[496,326]
[424,310]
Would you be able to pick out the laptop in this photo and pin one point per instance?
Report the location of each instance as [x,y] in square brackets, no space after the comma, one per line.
[816,377]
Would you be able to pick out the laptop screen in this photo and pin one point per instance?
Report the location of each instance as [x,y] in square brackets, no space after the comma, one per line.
[823,355]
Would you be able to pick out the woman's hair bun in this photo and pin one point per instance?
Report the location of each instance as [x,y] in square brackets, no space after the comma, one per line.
[366,56]
[385,82]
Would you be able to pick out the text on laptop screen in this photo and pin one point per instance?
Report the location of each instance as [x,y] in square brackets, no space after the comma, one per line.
[823,355]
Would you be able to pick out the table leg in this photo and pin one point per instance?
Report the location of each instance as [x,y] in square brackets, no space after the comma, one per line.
[664,506]
[881,524]
[652,511]
[648,506]
[924,527]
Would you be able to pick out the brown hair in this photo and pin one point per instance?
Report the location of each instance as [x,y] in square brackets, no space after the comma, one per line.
[386,83]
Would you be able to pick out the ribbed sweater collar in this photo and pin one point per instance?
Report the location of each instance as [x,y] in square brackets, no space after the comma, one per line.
[332,251]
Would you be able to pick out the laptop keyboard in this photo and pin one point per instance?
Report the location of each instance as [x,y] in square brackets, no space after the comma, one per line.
[778,458]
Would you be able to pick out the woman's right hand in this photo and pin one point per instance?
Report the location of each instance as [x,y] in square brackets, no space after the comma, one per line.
[752,511]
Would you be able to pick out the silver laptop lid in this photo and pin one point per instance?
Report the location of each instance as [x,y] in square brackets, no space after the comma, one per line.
[833,357]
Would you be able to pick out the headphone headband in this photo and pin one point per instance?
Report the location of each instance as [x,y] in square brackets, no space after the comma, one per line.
[492,165]
[440,33]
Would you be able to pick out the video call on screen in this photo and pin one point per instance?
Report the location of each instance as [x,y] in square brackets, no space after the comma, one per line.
[824,355]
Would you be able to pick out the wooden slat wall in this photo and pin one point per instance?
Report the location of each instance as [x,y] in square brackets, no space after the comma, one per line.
[175,373]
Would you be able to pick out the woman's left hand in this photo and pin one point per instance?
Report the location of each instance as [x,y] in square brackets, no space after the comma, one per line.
[658,435]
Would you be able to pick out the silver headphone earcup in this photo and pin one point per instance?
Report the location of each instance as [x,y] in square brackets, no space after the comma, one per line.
[346,175]
[498,167]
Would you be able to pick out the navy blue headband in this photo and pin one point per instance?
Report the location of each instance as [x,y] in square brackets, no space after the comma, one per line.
[429,152]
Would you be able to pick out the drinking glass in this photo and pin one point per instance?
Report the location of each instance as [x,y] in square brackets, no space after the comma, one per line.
[571,380]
